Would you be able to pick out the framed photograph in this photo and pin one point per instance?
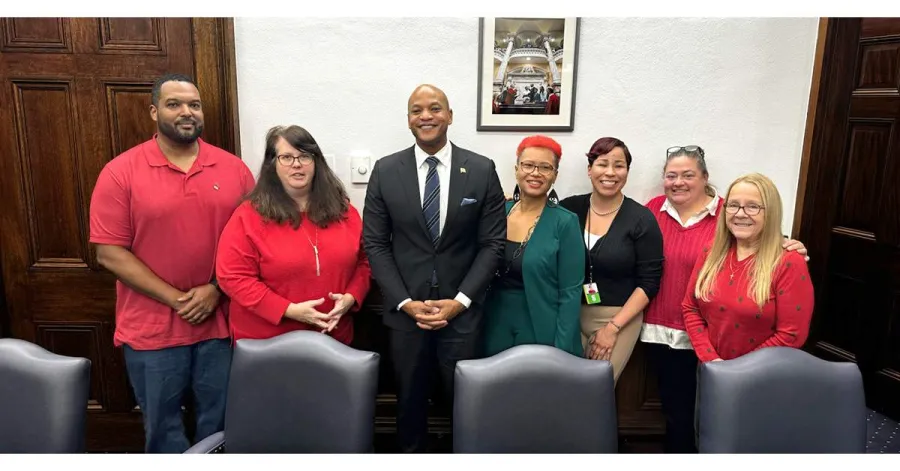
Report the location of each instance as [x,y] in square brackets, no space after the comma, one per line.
[526,74]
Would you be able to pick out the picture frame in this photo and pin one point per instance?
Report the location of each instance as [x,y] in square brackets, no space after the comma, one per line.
[517,79]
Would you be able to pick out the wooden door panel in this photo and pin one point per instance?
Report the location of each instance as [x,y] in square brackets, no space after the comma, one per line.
[127,105]
[863,170]
[83,339]
[46,132]
[637,398]
[41,35]
[133,36]
[878,27]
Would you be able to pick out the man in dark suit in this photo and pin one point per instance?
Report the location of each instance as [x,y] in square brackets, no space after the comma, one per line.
[434,227]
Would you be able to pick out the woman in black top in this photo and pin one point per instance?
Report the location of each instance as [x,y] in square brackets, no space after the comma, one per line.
[624,259]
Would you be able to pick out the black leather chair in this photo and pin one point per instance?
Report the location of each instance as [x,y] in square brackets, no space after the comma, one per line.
[300,392]
[43,399]
[534,399]
[781,400]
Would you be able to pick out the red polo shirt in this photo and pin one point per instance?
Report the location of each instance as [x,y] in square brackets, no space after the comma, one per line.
[171,221]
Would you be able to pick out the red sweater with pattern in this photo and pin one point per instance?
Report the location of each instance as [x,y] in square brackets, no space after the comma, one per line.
[731,324]
[681,248]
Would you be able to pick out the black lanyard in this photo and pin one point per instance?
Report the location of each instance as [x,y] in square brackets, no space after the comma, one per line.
[587,244]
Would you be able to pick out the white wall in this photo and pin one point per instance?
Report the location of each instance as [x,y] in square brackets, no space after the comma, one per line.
[739,87]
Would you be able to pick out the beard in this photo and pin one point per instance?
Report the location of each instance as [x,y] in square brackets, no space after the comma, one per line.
[171,131]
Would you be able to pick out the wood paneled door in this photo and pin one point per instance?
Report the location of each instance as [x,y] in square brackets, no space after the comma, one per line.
[74,93]
[851,203]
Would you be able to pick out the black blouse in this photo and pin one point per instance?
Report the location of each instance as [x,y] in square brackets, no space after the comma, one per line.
[513,278]
[629,256]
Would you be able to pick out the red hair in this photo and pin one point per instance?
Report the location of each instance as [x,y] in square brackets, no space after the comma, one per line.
[540,141]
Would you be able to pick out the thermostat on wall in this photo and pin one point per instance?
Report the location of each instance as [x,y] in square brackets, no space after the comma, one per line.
[360,169]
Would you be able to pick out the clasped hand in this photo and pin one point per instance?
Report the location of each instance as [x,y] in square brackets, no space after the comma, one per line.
[433,314]
[197,304]
[307,313]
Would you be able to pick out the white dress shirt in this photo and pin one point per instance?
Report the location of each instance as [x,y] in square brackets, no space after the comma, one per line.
[443,172]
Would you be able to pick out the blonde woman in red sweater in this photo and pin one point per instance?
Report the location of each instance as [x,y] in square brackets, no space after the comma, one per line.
[747,292]
[687,215]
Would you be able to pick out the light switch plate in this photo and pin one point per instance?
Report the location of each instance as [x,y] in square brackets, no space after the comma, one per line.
[360,168]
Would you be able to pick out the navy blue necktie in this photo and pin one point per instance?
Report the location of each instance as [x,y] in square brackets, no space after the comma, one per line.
[431,205]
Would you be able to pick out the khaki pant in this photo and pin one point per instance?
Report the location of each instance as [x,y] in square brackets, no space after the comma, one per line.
[596,317]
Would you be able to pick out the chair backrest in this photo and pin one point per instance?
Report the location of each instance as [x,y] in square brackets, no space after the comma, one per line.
[43,399]
[534,399]
[781,400]
[300,392]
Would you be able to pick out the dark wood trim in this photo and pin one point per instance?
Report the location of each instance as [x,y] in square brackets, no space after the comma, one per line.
[4,314]
[231,86]
[216,75]
[810,126]
[825,147]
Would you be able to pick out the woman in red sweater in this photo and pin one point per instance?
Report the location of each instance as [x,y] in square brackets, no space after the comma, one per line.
[687,215]
[746,292]
[291,258]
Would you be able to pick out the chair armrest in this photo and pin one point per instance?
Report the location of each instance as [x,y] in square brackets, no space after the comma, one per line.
[214,443]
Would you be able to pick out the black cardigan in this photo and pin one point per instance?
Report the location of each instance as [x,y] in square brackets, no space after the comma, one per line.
[629,256]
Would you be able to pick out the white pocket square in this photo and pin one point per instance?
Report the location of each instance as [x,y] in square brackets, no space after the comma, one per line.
[468,201]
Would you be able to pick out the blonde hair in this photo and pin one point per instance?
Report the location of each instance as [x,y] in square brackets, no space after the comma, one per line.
[769,244]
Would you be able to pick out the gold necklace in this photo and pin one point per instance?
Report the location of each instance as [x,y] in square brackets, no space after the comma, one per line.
[591,202]
[314,246]
[733,270]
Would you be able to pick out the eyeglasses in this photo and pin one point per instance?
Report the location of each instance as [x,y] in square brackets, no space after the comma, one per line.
[288,160]
[529,167]
[690,149]
[751,209]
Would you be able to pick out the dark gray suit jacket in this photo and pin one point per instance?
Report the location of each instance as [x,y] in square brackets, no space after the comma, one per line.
[399,246]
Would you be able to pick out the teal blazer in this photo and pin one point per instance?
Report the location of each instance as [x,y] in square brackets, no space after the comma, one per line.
[553,274]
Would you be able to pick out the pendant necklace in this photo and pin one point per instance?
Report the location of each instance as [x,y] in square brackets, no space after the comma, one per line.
[314,246]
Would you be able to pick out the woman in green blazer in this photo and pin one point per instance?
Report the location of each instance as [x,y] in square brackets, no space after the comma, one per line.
[536,296]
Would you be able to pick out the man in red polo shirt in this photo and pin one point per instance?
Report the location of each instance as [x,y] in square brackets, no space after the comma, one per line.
[156,214]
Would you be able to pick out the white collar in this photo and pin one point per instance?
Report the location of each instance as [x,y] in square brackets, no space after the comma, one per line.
[710,207]
[442,155]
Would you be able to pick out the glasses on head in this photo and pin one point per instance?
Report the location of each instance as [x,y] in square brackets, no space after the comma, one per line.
[288,160]
[751,209]
[543,169]
[689,149]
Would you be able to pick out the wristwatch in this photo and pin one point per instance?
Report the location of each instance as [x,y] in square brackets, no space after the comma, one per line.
[215,283]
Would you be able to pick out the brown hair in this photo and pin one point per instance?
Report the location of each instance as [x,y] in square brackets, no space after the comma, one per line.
[328,201]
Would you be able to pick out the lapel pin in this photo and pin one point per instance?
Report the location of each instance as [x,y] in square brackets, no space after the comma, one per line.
[462,170]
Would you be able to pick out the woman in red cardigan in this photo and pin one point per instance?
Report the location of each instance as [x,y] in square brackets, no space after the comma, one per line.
[747,292]
[687,215]
[291,258]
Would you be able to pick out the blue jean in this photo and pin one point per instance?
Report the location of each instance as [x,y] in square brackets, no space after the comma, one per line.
[160,379]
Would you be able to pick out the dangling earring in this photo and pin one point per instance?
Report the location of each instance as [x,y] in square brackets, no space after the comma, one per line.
[553,197]
[516,194]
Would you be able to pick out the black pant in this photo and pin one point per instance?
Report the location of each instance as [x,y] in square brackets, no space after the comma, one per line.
[677,373]
[415,355]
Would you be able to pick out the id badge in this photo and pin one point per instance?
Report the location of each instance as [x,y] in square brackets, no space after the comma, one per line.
[590,293]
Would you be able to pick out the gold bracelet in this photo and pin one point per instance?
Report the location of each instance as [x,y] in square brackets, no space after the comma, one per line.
[617,326]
